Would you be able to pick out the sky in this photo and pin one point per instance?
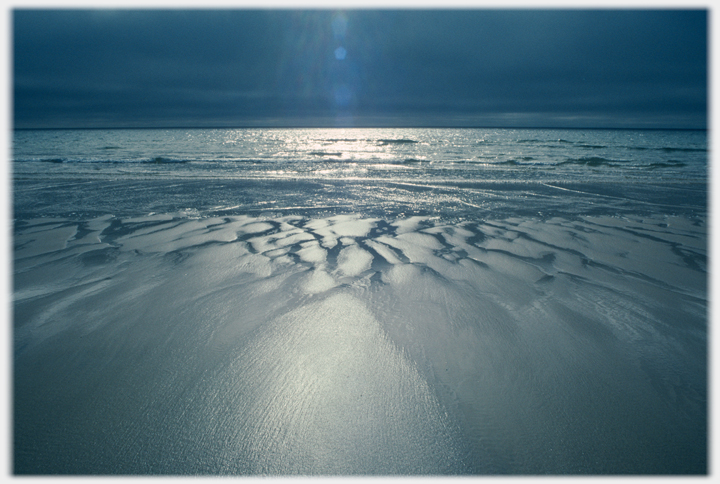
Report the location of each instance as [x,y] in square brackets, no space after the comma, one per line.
[480,67]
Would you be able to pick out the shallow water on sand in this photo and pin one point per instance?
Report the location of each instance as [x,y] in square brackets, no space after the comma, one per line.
[361,301]
[360,345]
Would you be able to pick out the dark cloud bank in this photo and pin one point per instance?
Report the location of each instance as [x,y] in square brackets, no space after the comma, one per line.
[522,68]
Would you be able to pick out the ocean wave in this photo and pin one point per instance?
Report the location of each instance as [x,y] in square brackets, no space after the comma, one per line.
[553,143]
[523,161]
[164,160]
[668,149]
[591,161]
[241,160]
[671,149]
[666,164]
[400,141]
[592,147]
[157,159]
[325,153]
[468,162]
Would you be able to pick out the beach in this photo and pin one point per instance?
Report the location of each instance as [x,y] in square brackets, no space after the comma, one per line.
[420,243]
[360,302]
[269,243]
[346,345]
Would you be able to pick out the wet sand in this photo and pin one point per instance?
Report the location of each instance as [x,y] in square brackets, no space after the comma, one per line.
[351,345]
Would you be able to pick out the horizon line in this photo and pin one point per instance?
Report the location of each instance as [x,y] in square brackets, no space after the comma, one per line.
[47,128]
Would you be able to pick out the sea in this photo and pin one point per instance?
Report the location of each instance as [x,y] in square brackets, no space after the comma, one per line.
[395,172]
[360,301]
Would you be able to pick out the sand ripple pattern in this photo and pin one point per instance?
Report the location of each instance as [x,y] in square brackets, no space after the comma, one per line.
[350,345]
